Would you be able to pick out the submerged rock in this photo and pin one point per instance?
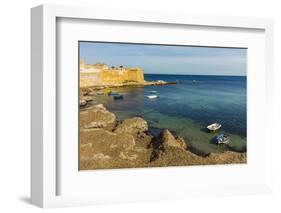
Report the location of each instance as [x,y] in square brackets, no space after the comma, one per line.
[97,117]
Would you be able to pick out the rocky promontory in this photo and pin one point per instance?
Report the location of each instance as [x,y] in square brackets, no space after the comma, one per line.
[106,143]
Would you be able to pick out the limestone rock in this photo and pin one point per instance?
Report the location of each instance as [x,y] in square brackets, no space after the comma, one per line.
[100,106]
[97,117]
[169,140]
[226,157]
[126,156]
[105,142]
[83,103]
[86,98]
[175,156]
[135,125]
[91,93]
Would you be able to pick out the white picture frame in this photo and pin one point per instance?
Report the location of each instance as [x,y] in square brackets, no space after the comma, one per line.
[44,135]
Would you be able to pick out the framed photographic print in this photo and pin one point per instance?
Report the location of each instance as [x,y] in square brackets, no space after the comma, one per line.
[149,106]
[165,105]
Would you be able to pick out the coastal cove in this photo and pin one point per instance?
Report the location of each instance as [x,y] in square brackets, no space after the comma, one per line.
[186,108]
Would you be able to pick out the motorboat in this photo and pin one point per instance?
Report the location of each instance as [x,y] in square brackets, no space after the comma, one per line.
[214,127]
[118,97]
[222,138]
[152,96]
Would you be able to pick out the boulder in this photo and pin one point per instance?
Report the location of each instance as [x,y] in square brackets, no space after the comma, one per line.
[91,93]
[168,140]
[97,117]
[135,125]
[100,106]
[86,98]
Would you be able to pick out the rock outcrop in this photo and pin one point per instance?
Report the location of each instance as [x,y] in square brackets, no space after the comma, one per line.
[97,117]
[169,140]
[226,157]
[105,142]
[132,125]
[137,127]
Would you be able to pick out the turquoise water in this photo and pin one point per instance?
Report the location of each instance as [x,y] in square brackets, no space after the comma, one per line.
[188,107]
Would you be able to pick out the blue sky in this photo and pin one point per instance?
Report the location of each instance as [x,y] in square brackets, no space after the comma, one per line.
[163,59]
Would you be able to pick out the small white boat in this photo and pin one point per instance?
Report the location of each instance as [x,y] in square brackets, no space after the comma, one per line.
[153,91]
[152,96]
[214,127]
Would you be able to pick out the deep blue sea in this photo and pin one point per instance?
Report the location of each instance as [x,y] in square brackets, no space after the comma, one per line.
[188,107]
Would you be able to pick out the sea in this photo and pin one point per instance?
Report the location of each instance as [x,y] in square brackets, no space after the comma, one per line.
[187,107]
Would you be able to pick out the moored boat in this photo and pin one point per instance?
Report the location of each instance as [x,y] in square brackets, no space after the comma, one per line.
[152,96]
[112,93]
[118,97]
[222,138]
[214,126]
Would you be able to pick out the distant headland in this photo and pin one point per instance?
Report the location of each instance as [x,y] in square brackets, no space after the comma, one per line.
[100,75]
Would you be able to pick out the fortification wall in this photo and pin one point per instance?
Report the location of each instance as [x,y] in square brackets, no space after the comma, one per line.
[100,74]
[116,76]
[90,79]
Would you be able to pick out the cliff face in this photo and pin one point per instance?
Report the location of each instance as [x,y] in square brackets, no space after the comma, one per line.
[100,74]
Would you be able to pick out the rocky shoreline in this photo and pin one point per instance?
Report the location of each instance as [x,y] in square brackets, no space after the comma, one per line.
[128,84]
[106,143]
[87,93]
